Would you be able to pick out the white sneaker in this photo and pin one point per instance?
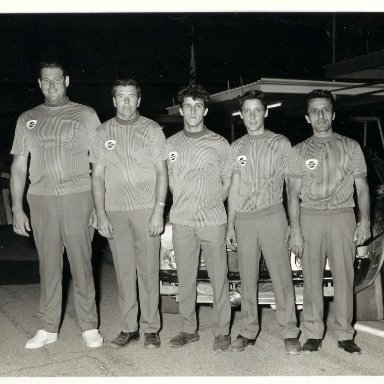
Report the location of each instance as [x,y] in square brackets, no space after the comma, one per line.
[40,339]
[92,338]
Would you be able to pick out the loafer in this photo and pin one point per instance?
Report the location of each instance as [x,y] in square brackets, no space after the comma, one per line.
[222,343]
[312,346]
[92,338]
[349,346]
[292,346]
[125,338]
[151,340]
[184,338]
[241,342]
[40,339]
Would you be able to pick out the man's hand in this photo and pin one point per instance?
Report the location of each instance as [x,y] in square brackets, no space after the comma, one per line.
[156,223]
[287,234]
[296,242]
[231,239]
[93,219]
[104,226]
[21,223]
[362,232]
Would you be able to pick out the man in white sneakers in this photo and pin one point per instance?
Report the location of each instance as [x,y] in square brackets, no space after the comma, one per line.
[56,137]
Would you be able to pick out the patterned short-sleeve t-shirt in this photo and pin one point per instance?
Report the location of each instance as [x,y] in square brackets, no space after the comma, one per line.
[329,167]
[263,161]
[129,150]
[57,138]
[196,168]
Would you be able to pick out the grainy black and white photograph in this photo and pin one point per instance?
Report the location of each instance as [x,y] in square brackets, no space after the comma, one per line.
[191,193]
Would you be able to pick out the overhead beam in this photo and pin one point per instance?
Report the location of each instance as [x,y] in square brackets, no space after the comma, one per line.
[355,64]
[294,87]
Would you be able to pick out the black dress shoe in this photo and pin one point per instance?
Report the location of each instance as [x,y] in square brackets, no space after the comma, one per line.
[124,338]
[292,346]
[151,340]
[349,346]
[312,346]
[241,342]
[222,343]
[184,338]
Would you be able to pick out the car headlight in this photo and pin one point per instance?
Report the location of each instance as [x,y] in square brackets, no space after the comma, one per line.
[297,266]
[234,298]
[295,263]
[202,261]
[168,260]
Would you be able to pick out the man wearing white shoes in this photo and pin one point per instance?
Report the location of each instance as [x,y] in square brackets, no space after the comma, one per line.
[56,137]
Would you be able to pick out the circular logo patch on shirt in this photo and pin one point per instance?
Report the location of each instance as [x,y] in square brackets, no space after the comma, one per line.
[311,163]
[31,123]
[172,156]
[110,144]
[242,159]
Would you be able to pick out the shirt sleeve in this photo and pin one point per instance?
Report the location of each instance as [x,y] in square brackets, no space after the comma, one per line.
[19,146]
[90,122]
[235,167]
[96,149]
[169,166]
[227,168]
[93,121]
[359,165]
[290,160]
[158,145]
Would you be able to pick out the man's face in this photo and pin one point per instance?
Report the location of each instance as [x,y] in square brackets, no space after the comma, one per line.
[253,115]
[126,101]
[53,84]
[320,116]
[193,112]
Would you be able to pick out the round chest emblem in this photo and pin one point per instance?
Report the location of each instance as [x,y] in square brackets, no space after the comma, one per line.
[172,156]
[31,123]
[311,163]
[242,159]
[110,144]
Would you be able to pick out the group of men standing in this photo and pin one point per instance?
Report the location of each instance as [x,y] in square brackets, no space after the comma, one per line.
[133,164]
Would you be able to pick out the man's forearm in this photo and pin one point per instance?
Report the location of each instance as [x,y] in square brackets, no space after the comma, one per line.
[161,187]
[293,192]
[98,193]
[231,210]
[17,183]
[363,201]
[226,183]
[232,192]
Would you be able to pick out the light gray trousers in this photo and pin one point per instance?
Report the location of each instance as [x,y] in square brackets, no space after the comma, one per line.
[187,242]
[136,259]
[265,232]
[58,222]
[328,234]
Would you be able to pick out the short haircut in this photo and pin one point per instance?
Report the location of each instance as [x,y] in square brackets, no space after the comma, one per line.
[320,94]
[52,64]
[195,92]
[252,95]
[125,83]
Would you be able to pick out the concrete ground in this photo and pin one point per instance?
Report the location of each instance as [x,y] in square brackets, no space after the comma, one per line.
[68,359]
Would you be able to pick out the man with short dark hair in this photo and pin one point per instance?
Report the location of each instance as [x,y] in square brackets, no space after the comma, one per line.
[257,221]
[199,177]
[332,165]
[56,136]
[129,185]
